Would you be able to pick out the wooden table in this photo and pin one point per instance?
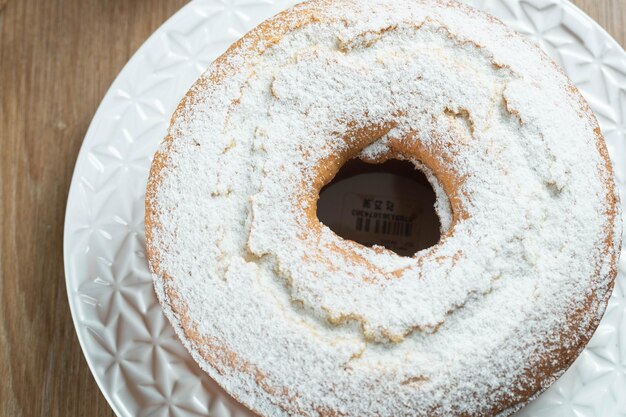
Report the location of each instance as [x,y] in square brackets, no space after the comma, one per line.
[57,59]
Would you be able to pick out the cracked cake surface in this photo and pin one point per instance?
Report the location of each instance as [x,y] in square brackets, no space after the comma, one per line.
[290,318]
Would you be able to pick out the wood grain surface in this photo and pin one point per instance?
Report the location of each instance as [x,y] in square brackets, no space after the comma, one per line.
[57,59]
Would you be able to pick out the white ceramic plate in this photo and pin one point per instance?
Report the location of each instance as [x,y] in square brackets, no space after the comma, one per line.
[139,364]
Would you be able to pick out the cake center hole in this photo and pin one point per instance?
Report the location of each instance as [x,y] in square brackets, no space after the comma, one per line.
[390,204]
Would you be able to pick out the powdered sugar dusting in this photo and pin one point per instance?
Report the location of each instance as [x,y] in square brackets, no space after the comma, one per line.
[331,325]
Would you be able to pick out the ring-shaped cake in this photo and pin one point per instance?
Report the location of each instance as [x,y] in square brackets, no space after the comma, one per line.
[292,319]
